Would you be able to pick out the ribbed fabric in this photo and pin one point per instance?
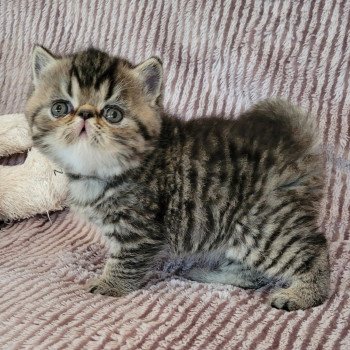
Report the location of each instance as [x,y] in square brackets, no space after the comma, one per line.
[219,57]
[43,267]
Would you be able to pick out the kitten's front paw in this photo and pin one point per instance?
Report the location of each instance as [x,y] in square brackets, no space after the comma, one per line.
[103,287]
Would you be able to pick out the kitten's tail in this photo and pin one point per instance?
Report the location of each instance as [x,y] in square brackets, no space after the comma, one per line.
[303,125]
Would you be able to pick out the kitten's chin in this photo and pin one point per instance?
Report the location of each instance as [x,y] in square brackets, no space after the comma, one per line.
[84,159]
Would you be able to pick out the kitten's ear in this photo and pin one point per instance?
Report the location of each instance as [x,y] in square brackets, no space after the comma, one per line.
[150,73]
[42,58]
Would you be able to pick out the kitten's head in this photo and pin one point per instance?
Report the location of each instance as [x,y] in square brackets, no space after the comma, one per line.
[94,114]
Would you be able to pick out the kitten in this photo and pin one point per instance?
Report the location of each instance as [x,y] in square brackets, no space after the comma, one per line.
[243,193]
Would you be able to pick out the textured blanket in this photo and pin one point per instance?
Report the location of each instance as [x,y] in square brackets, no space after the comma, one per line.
[219,58]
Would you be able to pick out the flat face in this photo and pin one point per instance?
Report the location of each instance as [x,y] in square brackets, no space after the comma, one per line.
[90,113]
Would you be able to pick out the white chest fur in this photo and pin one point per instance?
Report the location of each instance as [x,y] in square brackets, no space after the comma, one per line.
[85,191]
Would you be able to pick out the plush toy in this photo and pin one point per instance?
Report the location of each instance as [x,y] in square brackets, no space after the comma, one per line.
[34,187]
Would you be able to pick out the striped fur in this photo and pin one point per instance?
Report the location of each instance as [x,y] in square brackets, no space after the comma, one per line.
[243,193]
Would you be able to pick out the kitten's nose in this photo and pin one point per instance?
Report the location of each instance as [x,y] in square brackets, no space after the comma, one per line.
[85,113]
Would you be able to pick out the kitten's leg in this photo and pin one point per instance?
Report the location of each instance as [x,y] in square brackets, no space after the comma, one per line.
[229,273]
[125,271]
[303,262]
[309,284]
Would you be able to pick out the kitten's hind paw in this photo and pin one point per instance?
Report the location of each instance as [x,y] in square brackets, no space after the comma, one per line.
[100,286]
[290,300]
[283,303]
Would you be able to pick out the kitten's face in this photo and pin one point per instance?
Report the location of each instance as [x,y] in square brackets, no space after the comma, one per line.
[94,114]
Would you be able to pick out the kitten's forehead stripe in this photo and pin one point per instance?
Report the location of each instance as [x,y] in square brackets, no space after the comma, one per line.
[69,87]
[76,74]
[92,67]
[106,74]
[75,90]
[110,87]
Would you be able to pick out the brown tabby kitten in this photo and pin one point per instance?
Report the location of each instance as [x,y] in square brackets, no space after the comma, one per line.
[241,195]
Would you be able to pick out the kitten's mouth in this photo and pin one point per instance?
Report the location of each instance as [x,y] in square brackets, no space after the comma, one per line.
[83,131]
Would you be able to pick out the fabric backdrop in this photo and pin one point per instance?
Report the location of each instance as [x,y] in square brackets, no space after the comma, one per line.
[219,57]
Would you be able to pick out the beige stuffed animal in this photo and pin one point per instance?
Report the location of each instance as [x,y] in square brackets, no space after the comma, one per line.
[37,186]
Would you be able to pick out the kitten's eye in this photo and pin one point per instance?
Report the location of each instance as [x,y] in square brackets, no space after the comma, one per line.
[113,114]
[61,108]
